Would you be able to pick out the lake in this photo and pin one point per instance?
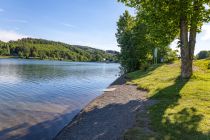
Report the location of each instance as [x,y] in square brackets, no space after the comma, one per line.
[39,98]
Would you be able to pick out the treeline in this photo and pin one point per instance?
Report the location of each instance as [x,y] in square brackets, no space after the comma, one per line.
[45,49]
[203,55]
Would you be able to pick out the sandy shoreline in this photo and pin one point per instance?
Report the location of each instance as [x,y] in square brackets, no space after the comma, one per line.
[108,116]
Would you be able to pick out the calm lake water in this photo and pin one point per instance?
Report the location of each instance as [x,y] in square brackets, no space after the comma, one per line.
[38,98]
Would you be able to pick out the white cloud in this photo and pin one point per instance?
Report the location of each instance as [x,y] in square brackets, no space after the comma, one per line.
[1,10]
[6,35]
[68,25]
[173,45]
[206,7]
[206,31]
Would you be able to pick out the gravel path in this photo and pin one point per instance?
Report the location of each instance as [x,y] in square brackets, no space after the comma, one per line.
[108,116]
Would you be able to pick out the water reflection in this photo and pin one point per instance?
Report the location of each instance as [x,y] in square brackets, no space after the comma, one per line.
[37,98]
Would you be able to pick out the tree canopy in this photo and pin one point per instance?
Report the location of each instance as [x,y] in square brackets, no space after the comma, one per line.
[170,19]
[137,43]
[203,55]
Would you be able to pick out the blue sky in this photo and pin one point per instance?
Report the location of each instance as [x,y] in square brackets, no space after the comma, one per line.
[202,42]
[81,22]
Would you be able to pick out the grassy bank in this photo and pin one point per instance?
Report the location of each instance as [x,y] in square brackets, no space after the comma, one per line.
[183,108]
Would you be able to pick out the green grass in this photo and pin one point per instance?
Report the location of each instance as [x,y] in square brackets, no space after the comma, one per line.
[183,108]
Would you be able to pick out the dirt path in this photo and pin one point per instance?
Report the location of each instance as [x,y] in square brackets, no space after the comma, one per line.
[108,116]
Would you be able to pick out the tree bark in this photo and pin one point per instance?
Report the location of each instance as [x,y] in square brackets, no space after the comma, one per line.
[186,61]
[188,47]
[192,41]
[193,27]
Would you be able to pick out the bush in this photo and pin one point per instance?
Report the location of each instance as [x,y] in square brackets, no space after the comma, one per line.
[209,66]
[144,66]
[170,56]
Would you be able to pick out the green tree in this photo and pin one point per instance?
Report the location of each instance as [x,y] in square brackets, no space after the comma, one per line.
[34,52]
[125,25]
[203,54]
[26,52]
[4,49]
[173,18]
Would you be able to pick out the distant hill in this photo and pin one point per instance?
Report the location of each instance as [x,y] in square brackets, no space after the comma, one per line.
[92,49]
[112,52]
[46,49]
[84,47]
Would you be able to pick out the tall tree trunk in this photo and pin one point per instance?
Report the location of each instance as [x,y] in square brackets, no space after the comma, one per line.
[192,41]
[193,27]
[186,61]
[188,48]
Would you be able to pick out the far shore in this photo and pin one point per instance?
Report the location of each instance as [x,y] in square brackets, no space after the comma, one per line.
[3,57]
[65,60]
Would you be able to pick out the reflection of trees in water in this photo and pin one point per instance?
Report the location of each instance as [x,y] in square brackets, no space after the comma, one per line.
[34,72]
[47,82]
[41,84]
[31,81]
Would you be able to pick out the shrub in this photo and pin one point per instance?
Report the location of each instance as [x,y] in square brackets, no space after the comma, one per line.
[144,66]
[170,56]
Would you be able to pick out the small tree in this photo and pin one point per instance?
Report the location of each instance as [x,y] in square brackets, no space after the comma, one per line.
[124,39]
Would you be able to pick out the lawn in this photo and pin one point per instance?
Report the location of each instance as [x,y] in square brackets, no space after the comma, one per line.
[182,111]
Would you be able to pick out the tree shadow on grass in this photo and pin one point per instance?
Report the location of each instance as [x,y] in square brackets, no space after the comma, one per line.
[176,124]
[142,73]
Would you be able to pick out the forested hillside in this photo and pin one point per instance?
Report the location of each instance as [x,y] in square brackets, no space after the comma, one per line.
[45,49]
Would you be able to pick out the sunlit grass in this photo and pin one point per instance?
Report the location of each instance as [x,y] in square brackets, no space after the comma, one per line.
[183,108]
